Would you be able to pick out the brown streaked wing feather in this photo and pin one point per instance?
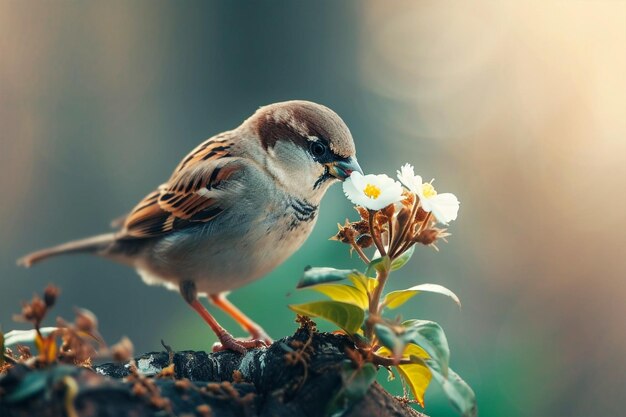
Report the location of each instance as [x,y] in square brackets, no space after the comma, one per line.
[189,194]
[151,198]
[214,148]
[188,198]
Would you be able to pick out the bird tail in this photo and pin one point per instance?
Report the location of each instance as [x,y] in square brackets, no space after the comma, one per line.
[88,245]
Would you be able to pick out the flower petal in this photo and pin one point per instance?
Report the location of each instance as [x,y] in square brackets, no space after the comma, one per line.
[390,190]
[357,179]
[426,204]
[445,207]
[350,190]
[407,176]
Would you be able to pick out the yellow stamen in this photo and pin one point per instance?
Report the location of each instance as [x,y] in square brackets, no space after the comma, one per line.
[372,191]
[428,190]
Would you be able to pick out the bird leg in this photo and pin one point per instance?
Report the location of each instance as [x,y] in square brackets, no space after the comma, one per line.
[227,341]
[256,331]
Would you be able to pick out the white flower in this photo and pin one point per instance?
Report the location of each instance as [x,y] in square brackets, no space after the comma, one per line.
[444,206]
[372,191]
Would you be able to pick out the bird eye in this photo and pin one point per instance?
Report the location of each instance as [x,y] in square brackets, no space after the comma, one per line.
[318,149]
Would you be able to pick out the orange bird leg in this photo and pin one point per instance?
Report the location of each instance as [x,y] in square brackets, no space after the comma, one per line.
[244,321]
[190,294]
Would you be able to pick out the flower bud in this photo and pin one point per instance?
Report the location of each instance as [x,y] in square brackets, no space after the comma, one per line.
[403,217]
[389,210]
[382,218]
[361,227]
[363,212]
[27,313]
[34,311]
[420,216]
[365,241]
[122,351]
[50,295]
[427,236]
[409,198]
[85,320]
[346,233]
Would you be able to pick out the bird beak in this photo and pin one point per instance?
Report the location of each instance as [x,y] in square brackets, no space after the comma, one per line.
[341,169]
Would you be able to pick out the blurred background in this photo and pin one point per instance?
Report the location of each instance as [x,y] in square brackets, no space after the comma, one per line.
[519,108]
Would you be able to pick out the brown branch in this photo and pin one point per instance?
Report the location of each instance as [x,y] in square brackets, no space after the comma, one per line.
[224,384]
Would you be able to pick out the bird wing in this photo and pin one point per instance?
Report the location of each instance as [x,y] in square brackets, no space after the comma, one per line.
[197,192]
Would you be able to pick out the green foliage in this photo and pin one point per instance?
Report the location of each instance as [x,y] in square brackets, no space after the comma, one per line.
[324,280]
[348,317]
[315,276]
[390,339]
[417,349]
[344,293]
[380,265]
[32,384]
[420,342]
[35,382]
[459,393]
[396,298]
[355,383]
[416,375]
[429,336]
[402,260]
[363,283]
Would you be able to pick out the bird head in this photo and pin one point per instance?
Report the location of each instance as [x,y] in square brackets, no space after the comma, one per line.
[307,146]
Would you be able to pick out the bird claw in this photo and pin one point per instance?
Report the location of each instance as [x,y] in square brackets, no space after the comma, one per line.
[261,336]
[239,346]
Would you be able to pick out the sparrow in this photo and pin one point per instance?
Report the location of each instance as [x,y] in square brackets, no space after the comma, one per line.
[235,208]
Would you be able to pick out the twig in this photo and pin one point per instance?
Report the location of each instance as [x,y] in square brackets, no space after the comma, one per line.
[394,251]
[360,252]
[375,236]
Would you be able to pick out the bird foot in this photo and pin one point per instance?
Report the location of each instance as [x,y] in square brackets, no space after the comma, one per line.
[228,342]
[260,335]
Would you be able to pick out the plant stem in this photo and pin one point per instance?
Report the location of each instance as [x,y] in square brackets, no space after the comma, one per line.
[424,223]
[395,250]
[408,244]
[9,359]
[382,361]
[374,307]
[390,234]
[376,236]
[360,252]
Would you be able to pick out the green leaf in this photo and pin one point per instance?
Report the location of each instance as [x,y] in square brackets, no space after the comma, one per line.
[344,293]
[359,281]
[417,375]
[357,381]
[355,384]
[458,391]
[388,338]
[32,384]
[429,336]
[347,316]
[314,276]
[396,298]
[401,260]
[36,381]
[379,264]
[363,283]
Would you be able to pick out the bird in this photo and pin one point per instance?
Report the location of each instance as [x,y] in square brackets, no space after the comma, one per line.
[236,207]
